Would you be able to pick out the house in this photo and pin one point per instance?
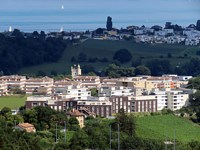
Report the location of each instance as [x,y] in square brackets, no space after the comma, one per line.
[26,127]
[78,115]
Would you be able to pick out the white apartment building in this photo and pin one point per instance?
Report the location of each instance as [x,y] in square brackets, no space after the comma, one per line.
[78,92]
[39,85]
[115,91]
[171,99]
[88,81]
[3,88]
[14,81]
[60,87]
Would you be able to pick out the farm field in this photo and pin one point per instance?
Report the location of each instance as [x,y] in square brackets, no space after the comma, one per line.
[12,102]
[106,49]
[157,127]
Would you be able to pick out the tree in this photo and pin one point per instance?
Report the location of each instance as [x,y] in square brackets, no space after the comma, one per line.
[17,33]
[35,34]
[109,23]
[126,122]
[122,55]
[194,83]
[136,62]
[94,92]
[168,25]
[42,35]
[5,110]
[99,31]
[198,25]
[142,70]
[79,140]
[91,74]
[87,68]
[159,67]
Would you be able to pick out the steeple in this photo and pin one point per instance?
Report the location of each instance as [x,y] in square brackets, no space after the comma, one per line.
[75,70]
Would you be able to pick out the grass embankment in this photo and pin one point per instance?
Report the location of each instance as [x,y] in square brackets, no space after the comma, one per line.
[101,49]
[12,102]
[156,127]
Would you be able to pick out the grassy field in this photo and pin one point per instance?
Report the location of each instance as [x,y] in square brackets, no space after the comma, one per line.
[101,49]
[12,102]
[156,127]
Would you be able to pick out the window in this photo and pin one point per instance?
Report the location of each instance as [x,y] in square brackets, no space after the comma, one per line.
[35,104]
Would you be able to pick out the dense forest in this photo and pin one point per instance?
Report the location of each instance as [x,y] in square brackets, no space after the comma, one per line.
[18,50]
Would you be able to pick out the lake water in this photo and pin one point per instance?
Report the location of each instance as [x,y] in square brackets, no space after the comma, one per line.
[79,15]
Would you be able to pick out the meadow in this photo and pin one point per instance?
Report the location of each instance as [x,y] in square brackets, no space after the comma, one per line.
[106,49]
[162,126]
[12,102]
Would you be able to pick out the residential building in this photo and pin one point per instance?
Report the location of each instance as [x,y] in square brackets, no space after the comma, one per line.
[26,127]
[98,105]
[14,81]
[60,87]
[171,99]
[115,91]
[88,81]
[140,103]
[3,88]
[108,82]
[39,85]
[59,103]
[33,101]
[78,115]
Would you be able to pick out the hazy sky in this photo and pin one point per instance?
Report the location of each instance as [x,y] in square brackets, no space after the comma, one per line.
[123,12]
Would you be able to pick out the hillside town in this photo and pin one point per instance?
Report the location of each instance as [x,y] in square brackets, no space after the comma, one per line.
[169,34]
[101,96]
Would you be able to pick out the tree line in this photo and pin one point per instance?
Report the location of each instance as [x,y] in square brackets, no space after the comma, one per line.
[98,133]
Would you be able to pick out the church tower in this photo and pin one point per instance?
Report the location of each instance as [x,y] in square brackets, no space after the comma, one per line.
[75,70]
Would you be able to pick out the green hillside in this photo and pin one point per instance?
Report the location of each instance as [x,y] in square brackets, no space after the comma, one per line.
[106,49]
[156,127]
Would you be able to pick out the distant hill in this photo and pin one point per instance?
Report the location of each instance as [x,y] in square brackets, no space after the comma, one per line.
[156,127]
[103,49]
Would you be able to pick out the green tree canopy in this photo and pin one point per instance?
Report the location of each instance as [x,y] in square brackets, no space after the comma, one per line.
[122,55]
[142,70]
[109,23]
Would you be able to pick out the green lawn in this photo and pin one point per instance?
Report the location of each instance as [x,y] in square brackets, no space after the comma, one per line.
[156,127]
[101,49]
[12,102]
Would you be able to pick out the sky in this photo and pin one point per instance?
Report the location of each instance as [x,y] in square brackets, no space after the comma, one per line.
[93,13]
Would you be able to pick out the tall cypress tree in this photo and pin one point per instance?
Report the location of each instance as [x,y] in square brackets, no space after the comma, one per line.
[109,23]
[198,25]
